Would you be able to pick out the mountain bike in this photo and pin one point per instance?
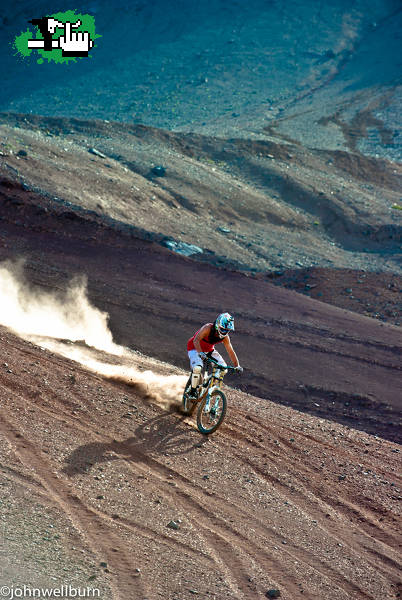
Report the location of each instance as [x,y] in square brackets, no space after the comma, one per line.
[210,398]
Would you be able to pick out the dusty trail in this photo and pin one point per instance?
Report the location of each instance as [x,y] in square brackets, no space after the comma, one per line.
[276,499]
[267,514]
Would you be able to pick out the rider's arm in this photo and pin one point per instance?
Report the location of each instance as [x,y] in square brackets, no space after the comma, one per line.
[230,351]
[203,333]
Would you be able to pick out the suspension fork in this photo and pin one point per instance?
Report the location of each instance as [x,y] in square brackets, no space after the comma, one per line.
[218,375]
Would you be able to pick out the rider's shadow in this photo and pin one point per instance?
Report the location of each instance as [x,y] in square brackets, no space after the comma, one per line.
[153,438]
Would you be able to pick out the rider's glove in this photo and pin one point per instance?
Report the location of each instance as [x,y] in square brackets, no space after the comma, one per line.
[239,369]
[202,355]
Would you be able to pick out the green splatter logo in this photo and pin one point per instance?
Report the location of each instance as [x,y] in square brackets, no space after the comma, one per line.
[62,37]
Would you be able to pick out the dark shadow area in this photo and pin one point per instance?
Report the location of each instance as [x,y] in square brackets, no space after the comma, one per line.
[151,439]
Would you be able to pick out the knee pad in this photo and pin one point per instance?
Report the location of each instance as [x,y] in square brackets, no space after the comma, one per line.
[196,376]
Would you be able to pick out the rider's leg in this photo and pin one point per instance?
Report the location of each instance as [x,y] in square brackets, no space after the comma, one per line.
[196,377]
[196,369]
[215,354]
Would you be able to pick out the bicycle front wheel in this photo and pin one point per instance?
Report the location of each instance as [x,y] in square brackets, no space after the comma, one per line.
[211,412]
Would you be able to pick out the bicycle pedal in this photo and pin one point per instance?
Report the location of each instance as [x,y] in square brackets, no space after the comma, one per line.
[193,398]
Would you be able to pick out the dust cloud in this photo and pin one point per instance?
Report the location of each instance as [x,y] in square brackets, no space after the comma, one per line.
[67,324]
[67,315]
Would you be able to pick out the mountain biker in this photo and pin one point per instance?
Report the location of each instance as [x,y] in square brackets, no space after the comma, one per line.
[202,344]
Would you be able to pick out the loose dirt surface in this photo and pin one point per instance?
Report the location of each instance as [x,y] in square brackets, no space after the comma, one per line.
[296,350]
[93,472]
[273,191]
[256,205]
[373,294]
[95,469]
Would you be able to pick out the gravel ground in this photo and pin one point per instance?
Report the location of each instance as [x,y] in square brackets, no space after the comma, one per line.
[93,473]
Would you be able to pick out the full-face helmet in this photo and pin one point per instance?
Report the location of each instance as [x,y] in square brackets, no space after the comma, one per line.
[223,324]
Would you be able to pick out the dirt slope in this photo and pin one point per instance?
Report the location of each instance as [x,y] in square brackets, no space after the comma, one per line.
[296,350]
[257,204]
[372,294]
[92,473]
[263,140]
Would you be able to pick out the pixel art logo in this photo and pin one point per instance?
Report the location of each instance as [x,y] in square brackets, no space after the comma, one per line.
[60,37]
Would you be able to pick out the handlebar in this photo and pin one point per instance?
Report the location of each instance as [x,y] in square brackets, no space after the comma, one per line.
[215,362]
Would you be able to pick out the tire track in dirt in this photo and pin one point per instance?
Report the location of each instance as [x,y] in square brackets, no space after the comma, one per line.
[299,466]
[23,479]
[189,493]
[321,348]
[225,541]
[220,537]
[85,426]
[35,488]
[331,529]
[388,542]
[310,559]
[90,528]
[393,563]
[294,449]
[216,541]
[62,415]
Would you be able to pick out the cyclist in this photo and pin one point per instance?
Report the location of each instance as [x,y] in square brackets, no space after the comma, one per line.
[203,343]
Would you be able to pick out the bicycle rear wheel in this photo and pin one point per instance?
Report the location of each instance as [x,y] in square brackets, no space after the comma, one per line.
[211,412]
[187,405]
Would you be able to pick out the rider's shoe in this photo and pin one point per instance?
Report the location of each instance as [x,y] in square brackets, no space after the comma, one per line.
[193,394]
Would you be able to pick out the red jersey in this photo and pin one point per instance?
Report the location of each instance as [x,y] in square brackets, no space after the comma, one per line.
[208,344]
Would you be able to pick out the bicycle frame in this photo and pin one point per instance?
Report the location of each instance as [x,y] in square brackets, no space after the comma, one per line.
[209,417]
[210,386]
[214,380]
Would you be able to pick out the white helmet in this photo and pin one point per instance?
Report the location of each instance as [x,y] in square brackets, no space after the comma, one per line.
[223,324]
